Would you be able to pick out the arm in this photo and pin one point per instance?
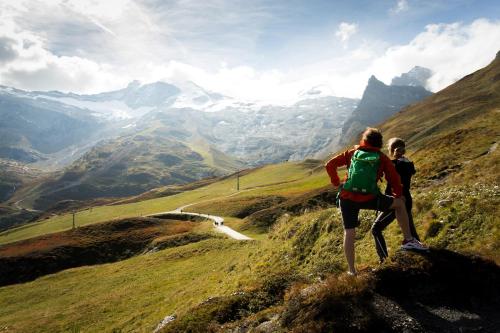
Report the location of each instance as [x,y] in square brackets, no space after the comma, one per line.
[332,165]
[391,176]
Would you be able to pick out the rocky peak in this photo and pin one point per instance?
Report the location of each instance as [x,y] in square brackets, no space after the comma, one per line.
[378,103]
[374,81]
[416,77]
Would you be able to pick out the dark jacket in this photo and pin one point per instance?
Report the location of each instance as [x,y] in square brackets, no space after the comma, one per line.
[406,170]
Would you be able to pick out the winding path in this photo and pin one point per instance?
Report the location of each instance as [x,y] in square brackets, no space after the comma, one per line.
[218,222]
[18,206]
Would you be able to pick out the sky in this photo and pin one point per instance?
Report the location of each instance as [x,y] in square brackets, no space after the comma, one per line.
[264,50]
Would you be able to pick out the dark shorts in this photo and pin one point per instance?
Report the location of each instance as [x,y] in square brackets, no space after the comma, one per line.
[350,209]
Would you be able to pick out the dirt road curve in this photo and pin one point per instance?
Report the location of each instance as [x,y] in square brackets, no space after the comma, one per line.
[218,222]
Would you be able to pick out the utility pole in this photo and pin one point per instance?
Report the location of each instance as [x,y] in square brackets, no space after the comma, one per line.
[74,219]
[238,180]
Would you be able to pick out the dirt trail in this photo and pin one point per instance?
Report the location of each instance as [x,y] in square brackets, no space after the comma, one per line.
[17,205]
[218,221]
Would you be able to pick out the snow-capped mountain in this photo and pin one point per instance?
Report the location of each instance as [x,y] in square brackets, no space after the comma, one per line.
[133,101]
[137,99]
[255,132]
[276,133]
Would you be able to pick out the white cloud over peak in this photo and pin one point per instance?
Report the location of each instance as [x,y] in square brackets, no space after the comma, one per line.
[345,31]
[451,51]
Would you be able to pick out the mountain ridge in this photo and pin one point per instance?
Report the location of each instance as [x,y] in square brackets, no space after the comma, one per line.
[378,103]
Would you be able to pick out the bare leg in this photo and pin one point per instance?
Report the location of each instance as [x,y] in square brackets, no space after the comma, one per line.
[402,217]
[349,236]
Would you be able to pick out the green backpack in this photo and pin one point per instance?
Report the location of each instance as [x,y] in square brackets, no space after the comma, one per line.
[362,174]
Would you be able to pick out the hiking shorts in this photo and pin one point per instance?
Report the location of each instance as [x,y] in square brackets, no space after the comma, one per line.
[350,209]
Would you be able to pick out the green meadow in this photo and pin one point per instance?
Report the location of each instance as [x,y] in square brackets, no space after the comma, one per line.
[133,295]
[285,179]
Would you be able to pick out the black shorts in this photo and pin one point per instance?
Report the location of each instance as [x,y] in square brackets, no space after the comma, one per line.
[350,209]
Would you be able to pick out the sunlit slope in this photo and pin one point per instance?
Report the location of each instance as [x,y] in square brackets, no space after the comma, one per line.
[130,165]
[456,131]
[215,158]
[133,295]
[279,179]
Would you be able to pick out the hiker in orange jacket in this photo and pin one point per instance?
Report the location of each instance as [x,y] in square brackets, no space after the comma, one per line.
[352,202]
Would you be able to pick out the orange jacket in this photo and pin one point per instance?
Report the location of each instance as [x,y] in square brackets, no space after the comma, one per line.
[386,168]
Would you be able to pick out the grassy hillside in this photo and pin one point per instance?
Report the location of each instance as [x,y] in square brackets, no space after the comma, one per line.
[13,175]
[95,244]
[131,165]
[133,295]
[285,179]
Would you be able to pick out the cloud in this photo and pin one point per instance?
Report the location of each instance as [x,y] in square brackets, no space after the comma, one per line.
[7,49]
[129,35]
[401,6]
[68,74]
[451,51]
[93,46]
[242,82]
[28,64]
[345,31]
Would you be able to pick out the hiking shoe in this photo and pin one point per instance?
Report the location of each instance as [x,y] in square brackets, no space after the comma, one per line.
[413,244]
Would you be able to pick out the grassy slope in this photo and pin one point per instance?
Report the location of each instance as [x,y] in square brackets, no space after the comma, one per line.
[135,294]
[141,230]
[280,179]
[215,158]
[129,296]
[133,164]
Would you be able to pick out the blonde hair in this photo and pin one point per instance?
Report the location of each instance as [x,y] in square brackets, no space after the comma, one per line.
[395,144]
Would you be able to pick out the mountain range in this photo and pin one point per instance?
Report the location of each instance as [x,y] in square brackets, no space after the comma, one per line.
[128,141]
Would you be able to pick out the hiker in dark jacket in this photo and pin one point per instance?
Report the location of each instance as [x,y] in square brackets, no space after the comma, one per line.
[406,170]
[354,199]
